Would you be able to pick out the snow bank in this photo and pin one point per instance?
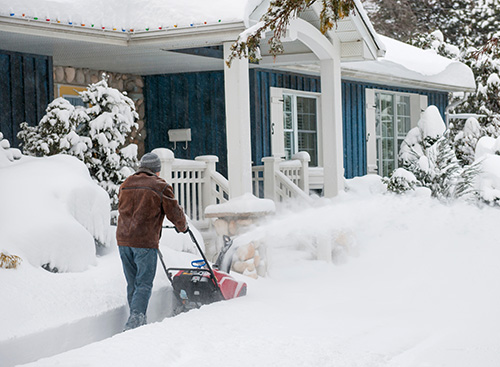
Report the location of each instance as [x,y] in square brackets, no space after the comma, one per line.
[51,211]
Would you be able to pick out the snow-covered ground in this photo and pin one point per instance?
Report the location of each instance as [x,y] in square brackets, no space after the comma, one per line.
[411,282]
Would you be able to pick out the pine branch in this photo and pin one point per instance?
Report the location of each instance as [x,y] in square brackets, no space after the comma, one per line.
[277,18]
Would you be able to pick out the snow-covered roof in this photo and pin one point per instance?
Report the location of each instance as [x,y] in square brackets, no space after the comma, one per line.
[130,14]
[407,65]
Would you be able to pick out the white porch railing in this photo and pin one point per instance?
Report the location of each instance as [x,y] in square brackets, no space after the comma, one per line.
[280,180]
[196,183]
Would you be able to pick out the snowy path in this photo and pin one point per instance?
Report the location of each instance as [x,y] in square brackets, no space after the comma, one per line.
[79,333]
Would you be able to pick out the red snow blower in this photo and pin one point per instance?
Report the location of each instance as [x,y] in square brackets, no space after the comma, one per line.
[201,285]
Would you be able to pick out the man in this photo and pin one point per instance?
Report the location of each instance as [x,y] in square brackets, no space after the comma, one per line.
[143,201]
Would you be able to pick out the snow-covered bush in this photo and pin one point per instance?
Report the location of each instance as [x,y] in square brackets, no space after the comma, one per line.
[112,117]
[487,182]
[400,181]
[52,212]
[428,153]
[96,134]
[465,141]
[8,154]
[55,132]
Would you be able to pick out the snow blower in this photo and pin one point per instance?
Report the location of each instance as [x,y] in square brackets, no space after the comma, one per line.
[202,284]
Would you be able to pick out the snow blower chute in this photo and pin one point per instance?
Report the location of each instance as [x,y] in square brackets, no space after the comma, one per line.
[202,284]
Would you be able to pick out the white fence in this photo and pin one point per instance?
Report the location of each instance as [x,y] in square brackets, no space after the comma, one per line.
[196,183]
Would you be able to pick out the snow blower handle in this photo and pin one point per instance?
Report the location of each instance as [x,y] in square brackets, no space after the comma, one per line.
[193,238]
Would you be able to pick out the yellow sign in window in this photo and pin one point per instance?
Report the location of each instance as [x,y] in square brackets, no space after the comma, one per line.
[70,93]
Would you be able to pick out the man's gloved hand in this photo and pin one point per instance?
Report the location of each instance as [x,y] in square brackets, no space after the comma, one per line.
[184,231]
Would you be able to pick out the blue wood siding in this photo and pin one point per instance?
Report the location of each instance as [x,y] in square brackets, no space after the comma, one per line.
[187,100]
[354,120]
[26,87]
[196,101]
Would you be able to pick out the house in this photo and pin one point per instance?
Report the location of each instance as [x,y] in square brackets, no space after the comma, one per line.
[346,98]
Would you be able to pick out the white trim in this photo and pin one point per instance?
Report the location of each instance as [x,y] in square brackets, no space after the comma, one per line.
[371,133]
[417,102]
[277,122]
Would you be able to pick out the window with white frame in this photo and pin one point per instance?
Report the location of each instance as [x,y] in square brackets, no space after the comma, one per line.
[300,125]
[393,121]
[390,116]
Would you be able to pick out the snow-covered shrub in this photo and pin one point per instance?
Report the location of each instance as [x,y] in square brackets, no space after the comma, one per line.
[8,154]
[55,133]
[487,183]
[52,212]
[96,134]
[465,141]
[112,117]
[428,153]
[400,181]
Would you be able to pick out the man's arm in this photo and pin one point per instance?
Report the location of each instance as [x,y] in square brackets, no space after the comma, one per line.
[173,211]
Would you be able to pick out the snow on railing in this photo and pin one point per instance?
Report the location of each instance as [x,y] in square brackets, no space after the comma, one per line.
[196,183]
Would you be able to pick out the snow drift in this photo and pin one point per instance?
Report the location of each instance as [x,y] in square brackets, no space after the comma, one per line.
[52,212]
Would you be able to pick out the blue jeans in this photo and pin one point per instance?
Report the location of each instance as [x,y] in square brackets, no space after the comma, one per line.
[139,266]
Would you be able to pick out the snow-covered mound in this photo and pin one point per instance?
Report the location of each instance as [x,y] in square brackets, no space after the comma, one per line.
[51,212]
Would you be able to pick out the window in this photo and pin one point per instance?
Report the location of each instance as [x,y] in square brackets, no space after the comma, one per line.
[70,93]
[392,123]
[300,126]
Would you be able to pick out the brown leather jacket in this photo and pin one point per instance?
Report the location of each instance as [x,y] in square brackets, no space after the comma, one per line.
[143,201]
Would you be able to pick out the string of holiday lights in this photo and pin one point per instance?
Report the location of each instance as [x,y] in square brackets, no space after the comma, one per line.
[106,28]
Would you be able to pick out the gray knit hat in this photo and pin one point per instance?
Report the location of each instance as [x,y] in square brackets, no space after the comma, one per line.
[150,161]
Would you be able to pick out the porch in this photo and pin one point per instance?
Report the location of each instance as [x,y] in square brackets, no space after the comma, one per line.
[197,184]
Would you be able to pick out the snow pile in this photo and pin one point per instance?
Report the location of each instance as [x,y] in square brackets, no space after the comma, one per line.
[51,211]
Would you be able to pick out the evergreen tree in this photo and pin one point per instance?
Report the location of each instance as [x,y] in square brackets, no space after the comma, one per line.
[112,117]
[96,134]
[51,135]
[465,141]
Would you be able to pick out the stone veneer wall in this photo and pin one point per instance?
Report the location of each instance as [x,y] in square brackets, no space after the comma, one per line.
[131,84]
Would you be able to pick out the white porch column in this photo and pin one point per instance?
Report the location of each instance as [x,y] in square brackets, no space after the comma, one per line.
[239,157]
[331,126]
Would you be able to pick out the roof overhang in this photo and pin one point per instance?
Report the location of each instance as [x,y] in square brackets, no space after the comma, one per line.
[143,52]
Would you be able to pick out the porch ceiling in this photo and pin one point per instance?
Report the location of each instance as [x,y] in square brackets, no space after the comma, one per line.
[142,54]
